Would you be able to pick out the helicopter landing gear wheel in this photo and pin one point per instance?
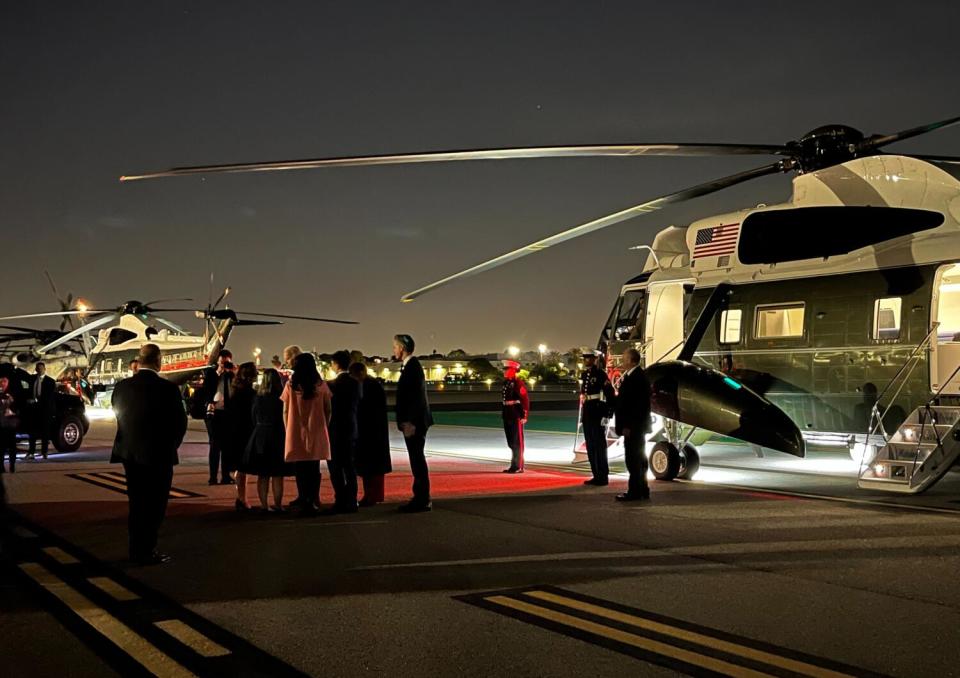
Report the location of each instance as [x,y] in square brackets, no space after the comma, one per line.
[689,462]
[665,461]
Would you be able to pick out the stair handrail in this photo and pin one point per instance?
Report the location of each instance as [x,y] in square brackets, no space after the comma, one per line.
[910,362]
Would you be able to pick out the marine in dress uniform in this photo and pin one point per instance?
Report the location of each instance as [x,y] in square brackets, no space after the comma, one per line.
[596,397]
[516,409]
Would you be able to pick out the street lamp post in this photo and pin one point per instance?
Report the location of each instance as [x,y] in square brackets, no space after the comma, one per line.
[542,348]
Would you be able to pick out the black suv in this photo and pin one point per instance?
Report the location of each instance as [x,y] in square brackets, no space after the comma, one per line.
[71,418]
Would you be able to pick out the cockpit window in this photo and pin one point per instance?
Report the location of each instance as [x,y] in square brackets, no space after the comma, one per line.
[629,325]
[118,335]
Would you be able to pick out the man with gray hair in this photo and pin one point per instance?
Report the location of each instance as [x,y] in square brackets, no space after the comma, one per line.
[151,423]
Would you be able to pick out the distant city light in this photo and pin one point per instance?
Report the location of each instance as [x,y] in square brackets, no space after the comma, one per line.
[513,351]
[542,348]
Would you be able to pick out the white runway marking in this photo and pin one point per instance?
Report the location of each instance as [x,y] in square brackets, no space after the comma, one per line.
[60,555]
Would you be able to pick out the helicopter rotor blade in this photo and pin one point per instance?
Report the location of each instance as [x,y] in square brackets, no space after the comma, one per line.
[878,140]
[223,296]
[584,151]
[223,314]
[171,325]
[166,301]
[99,322]
[608,220]
[243,322]
[948,159]
[94,311]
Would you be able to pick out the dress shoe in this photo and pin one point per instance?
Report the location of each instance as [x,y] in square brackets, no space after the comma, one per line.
[226,481]
[626,496]
[416,507]
[30,456]
[336,510]
[212,481]
[155,558]
[513,470]
[297,503]
[240,507]
[367,503]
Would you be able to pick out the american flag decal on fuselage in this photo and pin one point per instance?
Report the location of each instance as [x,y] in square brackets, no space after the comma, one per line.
[716,241]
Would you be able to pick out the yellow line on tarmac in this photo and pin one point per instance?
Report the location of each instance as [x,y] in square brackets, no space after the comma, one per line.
[116,631]
[192,638]
[60,555]
[796,666]
[113,589]
[109,482]
[632,639]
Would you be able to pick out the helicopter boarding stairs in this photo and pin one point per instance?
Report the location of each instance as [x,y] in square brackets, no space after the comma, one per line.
[923,448]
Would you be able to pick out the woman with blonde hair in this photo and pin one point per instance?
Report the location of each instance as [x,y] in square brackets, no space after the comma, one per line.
[307,409]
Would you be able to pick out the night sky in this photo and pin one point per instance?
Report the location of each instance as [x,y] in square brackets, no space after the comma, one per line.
[90,91]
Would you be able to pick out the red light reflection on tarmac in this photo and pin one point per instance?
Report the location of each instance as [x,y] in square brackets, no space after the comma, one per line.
[457,478]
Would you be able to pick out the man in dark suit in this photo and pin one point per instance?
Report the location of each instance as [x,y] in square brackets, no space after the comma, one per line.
[633,422]
[151,423]
[217,384]
[343,436]
[43,411]
[413,419]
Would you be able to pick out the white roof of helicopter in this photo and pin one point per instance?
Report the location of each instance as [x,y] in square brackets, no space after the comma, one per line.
[875,181]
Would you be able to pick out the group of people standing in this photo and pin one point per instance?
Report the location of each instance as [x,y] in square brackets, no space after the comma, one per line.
[294,419]
[32,409]
[278,425]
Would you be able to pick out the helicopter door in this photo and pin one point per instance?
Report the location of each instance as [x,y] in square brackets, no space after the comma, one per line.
[664,327]
[945,346]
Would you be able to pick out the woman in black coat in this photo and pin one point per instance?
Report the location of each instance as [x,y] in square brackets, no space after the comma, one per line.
[263,456]
[373,445]
[240,427]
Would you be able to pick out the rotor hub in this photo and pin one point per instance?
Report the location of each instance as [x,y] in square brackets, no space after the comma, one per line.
[826,146]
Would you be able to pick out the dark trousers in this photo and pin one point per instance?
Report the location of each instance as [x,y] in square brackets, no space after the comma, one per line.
[513,428]
[343,473]
[636,460]
[216,433]
[307,474]
[8,447]
[373,490]
[40,430]
[148,488]
[418,466]
[595,437]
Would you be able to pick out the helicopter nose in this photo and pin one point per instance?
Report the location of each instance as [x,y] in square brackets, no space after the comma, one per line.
[709,399]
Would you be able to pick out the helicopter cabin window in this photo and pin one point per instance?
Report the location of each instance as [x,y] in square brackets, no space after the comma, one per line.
[628,325]
[730,321]
[118,335]
[886,318]
[780,322]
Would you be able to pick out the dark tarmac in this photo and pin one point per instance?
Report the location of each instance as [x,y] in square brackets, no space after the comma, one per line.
[531,575]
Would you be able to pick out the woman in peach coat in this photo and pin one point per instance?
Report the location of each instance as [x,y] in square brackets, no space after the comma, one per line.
[306,411]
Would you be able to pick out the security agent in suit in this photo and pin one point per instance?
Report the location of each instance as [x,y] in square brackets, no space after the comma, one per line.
[43,411]
[596,396]
[413,419]
[151,423]
[633,423]
[343,436]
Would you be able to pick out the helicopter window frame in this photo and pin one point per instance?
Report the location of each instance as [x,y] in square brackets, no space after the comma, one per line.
[639,298]
[725,326]
[893,333]
[785,308]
